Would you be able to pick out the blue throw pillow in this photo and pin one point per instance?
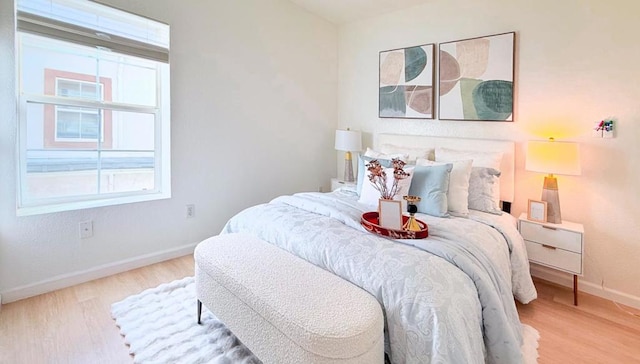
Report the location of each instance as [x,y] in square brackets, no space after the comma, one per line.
[431,183]
[362,169]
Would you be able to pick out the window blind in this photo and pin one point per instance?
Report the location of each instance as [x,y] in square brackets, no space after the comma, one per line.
[92,24]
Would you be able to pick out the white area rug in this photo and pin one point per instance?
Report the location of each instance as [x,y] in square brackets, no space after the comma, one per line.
[159,325]
[530,345]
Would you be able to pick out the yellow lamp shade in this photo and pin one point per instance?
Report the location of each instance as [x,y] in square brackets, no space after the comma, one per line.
[553,157]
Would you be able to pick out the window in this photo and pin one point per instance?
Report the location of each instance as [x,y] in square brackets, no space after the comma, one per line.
[93,106]
[68,126]
[77,123]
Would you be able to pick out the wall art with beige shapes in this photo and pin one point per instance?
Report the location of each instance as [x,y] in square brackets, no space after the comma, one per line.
[406,82]
[476,79]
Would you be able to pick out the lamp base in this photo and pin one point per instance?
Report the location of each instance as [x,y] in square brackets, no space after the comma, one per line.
[551,197]
[348,168]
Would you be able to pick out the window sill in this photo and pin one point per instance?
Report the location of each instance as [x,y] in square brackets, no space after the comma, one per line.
[79,205]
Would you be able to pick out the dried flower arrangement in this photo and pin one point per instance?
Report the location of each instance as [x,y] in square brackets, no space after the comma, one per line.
[378,177]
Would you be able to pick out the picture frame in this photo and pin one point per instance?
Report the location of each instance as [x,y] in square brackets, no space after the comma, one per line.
[477,78]
[390,214]
[406,82]
[537,211]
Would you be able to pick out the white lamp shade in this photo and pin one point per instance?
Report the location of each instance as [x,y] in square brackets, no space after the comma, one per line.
[348,140]
[553,157]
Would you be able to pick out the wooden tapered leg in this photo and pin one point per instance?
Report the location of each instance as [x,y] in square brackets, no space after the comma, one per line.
[199,311]
[575,290]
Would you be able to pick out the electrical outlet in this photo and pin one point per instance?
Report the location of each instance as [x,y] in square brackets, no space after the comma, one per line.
[191,211]
[86,229]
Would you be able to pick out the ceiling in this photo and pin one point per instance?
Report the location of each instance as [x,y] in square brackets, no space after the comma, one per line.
[345,11]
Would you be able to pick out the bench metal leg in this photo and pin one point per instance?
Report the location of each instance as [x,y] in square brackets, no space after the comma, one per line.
[199,311]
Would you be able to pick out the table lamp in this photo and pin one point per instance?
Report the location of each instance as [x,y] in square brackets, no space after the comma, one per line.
[348,141]
[553,158]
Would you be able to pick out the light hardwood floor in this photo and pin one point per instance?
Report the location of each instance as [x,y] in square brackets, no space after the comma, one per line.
[74,325]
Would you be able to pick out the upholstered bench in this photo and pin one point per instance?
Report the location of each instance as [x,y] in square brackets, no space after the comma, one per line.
[283,308]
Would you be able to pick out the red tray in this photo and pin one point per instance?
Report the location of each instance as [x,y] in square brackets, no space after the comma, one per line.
[369,221]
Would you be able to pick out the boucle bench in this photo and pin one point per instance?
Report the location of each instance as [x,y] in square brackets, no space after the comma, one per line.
[283,308]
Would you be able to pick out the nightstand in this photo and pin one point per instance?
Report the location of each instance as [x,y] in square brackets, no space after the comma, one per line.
[557,246]
[336,183]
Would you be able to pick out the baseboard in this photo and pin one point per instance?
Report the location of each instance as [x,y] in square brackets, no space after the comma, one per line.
[566,279]
[101,271]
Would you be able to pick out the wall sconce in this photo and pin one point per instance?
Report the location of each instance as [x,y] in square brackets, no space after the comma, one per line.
[604,128]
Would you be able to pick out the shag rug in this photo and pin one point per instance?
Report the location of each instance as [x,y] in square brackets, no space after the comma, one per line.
[159,325]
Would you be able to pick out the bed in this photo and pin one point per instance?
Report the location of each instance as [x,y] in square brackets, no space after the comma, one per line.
[446,299]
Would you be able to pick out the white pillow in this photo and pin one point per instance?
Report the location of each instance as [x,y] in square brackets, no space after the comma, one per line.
[376,155]
[370,196]
[379,155]
[480,159]
[413,153]
[458,194]
[482,190]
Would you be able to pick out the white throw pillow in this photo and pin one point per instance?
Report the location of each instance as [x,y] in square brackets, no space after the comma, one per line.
[379,155]
[413,153]
[370,196]
[374,154]
[482,190]
[458,193]
[480,159]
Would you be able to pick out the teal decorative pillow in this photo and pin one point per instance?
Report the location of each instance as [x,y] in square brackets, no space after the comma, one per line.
[458,194]
[431,183]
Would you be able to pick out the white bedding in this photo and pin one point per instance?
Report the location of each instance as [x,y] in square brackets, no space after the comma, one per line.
[447,298]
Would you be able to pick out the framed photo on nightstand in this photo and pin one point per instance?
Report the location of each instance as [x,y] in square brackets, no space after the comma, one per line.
[537,211]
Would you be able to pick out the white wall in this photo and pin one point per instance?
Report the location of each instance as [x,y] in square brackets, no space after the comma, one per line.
[576,63]
[254,109]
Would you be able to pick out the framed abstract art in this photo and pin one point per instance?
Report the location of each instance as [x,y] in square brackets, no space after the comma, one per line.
[477,78]
[406,82]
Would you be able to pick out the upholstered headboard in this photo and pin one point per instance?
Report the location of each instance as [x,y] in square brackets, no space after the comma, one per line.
[507,148]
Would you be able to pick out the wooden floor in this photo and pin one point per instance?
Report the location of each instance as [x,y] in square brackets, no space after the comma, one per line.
[74,325]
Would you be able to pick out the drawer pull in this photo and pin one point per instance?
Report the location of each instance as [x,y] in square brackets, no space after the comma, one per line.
[549,227]
[549,247]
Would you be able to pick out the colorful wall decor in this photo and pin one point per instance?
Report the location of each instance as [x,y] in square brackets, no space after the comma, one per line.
[406,82]
[477,78]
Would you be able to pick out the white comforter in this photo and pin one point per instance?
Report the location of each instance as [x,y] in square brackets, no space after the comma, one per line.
[448,301]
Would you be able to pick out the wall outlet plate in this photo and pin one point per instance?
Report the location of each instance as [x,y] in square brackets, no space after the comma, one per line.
[191,211]
[86,229]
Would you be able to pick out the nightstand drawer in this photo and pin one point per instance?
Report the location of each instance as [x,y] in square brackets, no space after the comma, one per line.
[555,258]
[563,239]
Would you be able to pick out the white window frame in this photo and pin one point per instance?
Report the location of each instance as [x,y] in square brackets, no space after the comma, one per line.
[54,29]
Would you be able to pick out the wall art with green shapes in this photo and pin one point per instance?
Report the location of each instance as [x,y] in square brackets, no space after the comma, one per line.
[476,80]
[406,82]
